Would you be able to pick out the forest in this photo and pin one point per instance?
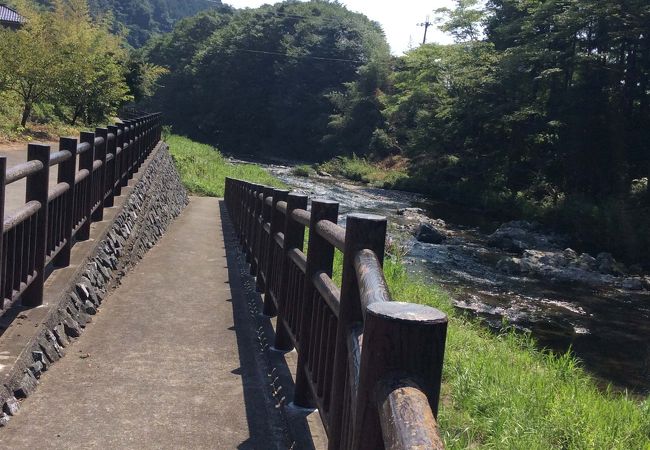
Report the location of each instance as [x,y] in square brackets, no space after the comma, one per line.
[539,110]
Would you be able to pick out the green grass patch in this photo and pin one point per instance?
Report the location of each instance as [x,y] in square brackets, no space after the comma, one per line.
[204,169]
[361,170]
[302,170]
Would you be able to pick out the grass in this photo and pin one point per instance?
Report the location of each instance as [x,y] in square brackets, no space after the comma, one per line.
[499,391]
[362,170]
[203,168]
[302,170]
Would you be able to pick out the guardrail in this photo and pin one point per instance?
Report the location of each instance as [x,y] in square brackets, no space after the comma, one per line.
[372,366]
[39,236]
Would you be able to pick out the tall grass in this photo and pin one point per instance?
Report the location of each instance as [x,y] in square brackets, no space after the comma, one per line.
[203,168]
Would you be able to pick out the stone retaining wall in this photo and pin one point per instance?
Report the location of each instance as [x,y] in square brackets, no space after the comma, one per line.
[156,199]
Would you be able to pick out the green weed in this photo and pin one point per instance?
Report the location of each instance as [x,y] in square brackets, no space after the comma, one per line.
[203,168]
[302,170]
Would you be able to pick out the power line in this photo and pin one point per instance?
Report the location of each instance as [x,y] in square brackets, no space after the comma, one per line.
[319,58]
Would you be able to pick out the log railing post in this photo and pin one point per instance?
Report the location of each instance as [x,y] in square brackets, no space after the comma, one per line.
[402,341]
[130,154]
[294,237]
[246,219]
[37,190]
[226,193]
[115,177]
[67,172]
[3,176]
[254,226]
[100,155]
[86,161]
[277,225]
[363,231]
[140,146]
[124,161]
[320,258]
[265,213]
[146,136]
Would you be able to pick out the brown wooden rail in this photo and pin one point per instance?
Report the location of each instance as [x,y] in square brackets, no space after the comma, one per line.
[371,366]
[38,236]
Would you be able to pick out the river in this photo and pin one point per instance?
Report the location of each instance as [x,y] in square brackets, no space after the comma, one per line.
[607,328]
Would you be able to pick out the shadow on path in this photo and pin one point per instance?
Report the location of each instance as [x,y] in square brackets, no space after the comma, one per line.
[255,337]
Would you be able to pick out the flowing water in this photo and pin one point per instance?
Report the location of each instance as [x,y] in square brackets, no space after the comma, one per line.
[607,328]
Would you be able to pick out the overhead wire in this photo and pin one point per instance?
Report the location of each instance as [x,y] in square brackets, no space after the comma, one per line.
[318,58]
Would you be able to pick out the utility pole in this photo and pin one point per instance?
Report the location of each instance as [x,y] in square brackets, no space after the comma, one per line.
[426,26]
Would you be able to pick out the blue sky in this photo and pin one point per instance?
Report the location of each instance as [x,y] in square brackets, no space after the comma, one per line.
[399,18]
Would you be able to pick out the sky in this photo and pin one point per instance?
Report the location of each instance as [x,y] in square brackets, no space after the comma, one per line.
[399,18]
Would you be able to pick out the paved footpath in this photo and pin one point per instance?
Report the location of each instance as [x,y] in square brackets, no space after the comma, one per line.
[164,365]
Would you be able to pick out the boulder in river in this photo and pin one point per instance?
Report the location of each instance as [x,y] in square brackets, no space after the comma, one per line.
[606,263]
[410,211]
[429,235]
[587,262]
[570,254]
[511,266]
[520,235]
[633,284]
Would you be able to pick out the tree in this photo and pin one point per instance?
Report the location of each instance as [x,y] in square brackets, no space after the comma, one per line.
[262,80]
[91,83]
[30,60]
[463,22]
[64,57]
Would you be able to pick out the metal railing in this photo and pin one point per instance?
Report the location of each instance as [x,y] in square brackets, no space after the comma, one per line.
[371,366]
[91,171]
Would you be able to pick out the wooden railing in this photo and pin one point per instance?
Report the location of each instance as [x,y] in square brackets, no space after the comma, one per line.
[372,366]
[91,172]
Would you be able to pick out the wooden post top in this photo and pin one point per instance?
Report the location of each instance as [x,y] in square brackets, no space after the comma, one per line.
[407,313]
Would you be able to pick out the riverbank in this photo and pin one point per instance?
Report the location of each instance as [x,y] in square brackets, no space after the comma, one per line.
[499,390]
[616,225]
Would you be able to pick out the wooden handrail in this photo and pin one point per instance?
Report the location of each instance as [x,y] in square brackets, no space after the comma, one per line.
[371,366]
[45,228]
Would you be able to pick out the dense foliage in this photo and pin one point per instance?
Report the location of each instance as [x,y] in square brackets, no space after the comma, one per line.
[139,20]
[547,114]
[145,18]
[52,70]
[272,79]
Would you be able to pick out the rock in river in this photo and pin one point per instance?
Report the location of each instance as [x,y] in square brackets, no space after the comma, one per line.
[429,235]
[519,235]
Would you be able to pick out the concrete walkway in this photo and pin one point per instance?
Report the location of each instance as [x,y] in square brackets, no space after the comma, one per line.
[165,365]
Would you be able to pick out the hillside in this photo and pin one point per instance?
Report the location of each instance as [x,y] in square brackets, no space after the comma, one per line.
[144,18]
